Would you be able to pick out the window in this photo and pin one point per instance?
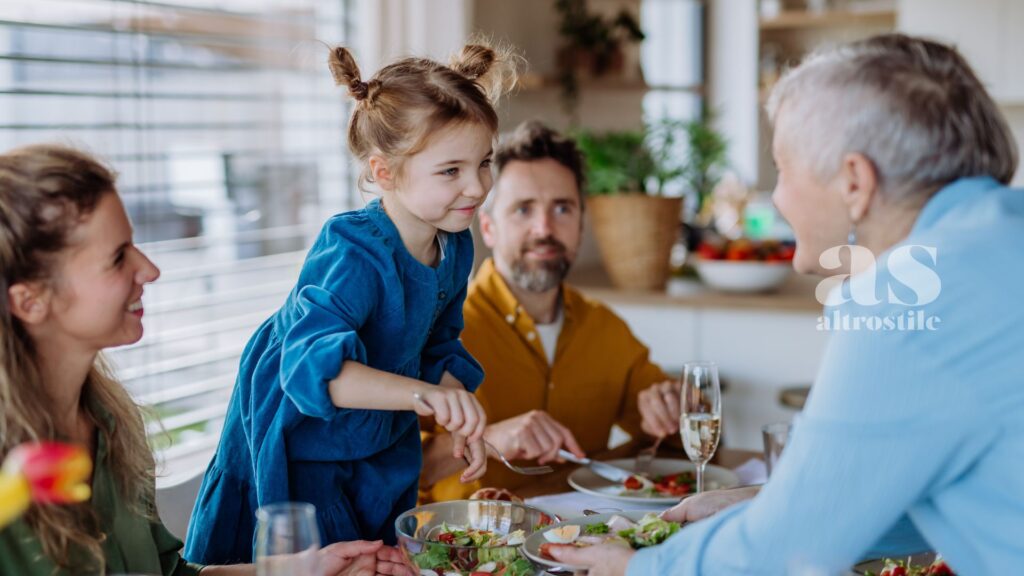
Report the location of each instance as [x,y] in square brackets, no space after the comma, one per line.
[673,60]
[228,134]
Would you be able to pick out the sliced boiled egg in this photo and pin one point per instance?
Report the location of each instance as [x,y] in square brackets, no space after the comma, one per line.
[563,534]
[487,567]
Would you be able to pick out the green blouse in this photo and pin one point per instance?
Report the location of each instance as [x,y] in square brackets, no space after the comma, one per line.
[135,544]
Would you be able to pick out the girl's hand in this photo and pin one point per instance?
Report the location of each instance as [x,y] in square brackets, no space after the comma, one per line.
[476,458]
[458,411]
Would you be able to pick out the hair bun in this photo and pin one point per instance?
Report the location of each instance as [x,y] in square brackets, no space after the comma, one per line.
[346,73]
[474,61]
[494,69]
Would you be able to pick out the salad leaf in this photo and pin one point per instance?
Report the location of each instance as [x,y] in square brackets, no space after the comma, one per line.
[520,567]
[650,531]
[600,528]
[434,557]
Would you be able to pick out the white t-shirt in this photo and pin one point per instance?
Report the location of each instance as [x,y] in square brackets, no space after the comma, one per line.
[549,335]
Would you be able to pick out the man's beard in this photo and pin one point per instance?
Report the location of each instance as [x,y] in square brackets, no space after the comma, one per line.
[541,276]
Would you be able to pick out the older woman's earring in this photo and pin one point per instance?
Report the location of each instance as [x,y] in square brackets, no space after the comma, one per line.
[851,238]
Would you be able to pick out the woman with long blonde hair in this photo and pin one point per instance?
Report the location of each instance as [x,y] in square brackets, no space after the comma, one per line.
[72,285]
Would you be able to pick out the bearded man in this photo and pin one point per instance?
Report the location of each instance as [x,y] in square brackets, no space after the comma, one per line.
[560,369]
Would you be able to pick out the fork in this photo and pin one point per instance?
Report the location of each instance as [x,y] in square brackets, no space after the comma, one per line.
[524,470]
[644,458]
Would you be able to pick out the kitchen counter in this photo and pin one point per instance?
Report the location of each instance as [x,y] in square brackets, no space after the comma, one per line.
[795,295]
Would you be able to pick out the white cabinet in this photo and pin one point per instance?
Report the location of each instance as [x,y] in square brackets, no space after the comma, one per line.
[987,33]
[759,352]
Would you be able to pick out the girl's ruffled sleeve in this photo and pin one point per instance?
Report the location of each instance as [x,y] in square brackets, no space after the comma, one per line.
[340,293]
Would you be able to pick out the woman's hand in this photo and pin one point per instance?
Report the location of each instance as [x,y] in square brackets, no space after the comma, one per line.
[700,506]
[455,409]
[601,560]
[362,558]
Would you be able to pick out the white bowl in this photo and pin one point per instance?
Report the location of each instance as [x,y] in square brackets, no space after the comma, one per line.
[742,275]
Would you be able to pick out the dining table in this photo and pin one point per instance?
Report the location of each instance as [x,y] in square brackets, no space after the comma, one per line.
[552,492]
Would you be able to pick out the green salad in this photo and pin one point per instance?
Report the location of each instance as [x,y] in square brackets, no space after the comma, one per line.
[486,552]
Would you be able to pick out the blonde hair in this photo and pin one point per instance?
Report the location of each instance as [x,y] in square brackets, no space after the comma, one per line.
[912,106]
[45,191]
[407,101]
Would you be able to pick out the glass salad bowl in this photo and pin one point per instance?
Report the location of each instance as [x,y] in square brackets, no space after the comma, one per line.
[464,536]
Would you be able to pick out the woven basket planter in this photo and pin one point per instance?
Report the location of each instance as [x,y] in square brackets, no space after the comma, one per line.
[635,234]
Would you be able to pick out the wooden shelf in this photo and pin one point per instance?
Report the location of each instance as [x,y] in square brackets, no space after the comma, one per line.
[796,20]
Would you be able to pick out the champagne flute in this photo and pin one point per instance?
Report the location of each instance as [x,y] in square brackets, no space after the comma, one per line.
[287,540]
[700,420]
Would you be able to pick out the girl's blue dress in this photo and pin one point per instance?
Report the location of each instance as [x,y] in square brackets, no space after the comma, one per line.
[360,296]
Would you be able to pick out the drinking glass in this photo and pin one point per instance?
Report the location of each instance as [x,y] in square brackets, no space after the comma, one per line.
[287,540]
[775,437]
[700,420]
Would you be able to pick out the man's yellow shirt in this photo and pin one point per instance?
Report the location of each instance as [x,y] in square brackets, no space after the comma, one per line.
[599,368]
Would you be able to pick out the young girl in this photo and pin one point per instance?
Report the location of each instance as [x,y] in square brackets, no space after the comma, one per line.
[72,285]
[326,402]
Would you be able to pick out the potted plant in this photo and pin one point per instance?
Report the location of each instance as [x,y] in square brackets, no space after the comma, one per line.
[628,175]
[591,45]
[703,164]
[635,229]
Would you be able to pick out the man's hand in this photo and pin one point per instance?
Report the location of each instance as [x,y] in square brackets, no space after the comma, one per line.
[700,506]
[534,435]
[602,560]
[659,408]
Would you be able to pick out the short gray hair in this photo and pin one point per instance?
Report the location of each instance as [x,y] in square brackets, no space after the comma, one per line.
[912,106]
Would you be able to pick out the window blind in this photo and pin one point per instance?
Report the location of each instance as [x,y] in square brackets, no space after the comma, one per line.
[228,136]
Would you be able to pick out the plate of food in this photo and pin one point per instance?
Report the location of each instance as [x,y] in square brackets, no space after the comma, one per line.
[465,537]
[923,564]
[669,481]
[634,530]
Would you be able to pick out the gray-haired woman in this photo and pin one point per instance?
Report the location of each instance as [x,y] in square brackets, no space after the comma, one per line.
[916,420]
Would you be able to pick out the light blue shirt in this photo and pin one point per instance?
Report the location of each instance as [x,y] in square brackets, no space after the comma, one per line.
[910,439]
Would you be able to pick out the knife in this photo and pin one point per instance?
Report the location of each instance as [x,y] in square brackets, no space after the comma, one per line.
[606,471]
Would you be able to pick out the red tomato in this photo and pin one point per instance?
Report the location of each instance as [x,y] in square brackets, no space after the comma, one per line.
[709,252]
[736,254]
[545,549]
[899,571]
[632,483]
[446,538]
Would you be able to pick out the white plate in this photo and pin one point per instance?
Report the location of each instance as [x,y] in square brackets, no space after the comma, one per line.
[531,548]
[715,477]
[920,559]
